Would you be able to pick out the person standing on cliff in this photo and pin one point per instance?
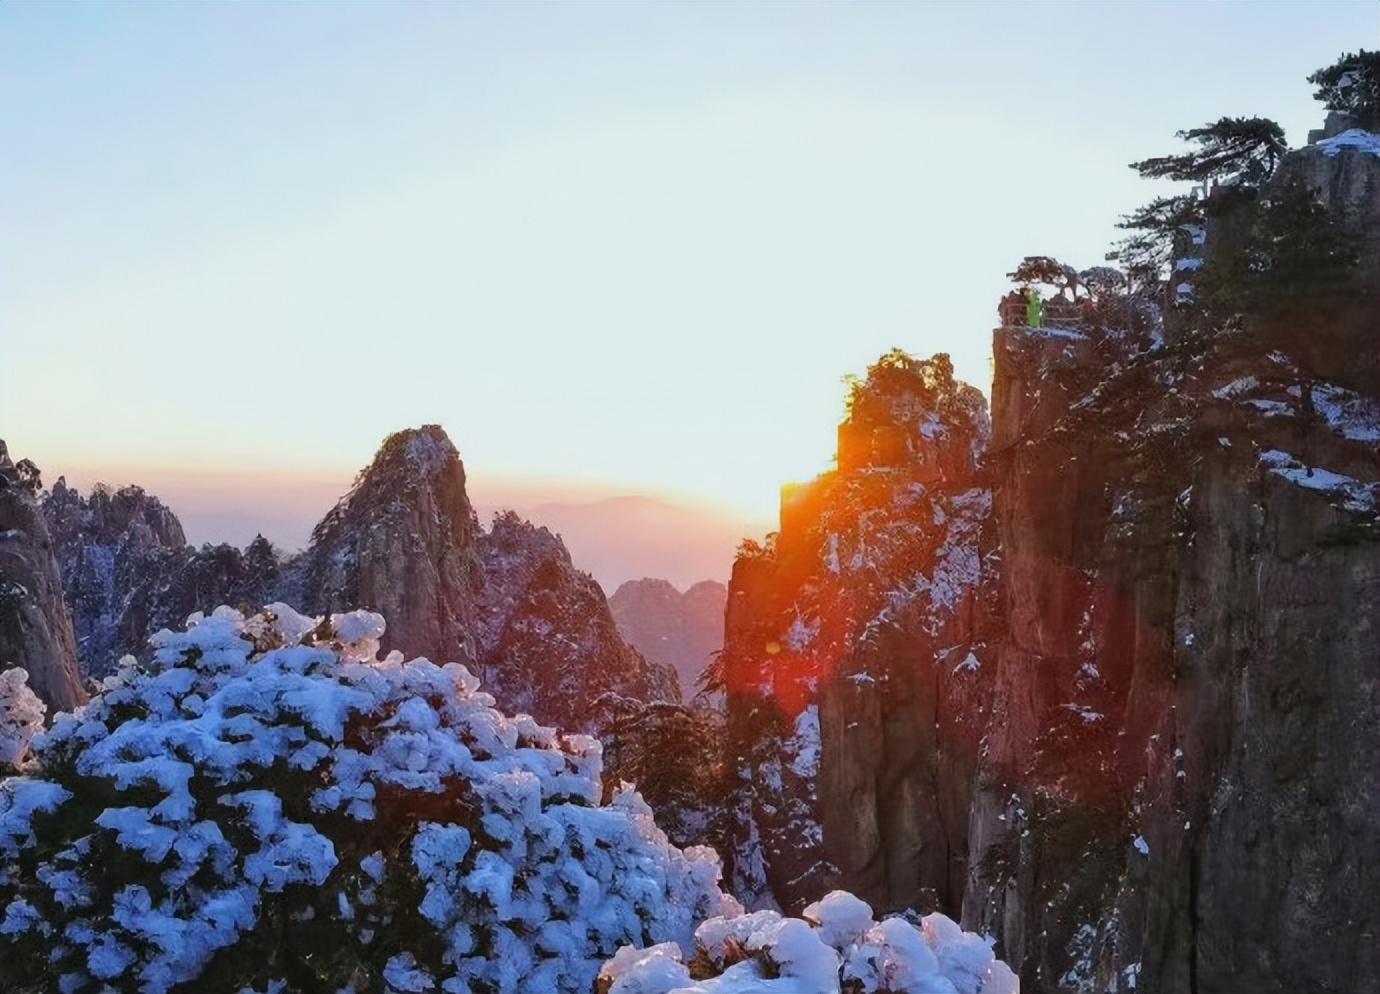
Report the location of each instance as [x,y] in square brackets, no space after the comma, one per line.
[1034,308]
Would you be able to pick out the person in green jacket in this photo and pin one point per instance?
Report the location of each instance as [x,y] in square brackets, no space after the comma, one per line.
[1034,308]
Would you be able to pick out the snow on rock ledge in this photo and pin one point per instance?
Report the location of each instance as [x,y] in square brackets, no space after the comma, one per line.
[266,806]
[835,947]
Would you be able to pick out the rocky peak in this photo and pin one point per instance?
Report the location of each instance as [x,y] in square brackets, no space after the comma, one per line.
[405,542]
[127,570]
[35,628]
[401,542]
[856,635]
[128,515]
[912,414]
[550,644]
[414,470]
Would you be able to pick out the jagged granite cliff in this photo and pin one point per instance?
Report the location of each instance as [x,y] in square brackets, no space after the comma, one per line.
[549,641]
[681,630]
[405,542]
[1153,767]
[35,628]
[1178,780]
[1178,788]
[854,653]
[127,570]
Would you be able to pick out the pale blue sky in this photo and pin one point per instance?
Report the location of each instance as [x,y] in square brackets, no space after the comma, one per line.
[633,246]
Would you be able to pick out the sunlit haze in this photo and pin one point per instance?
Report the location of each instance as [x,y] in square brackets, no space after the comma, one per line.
[619,250]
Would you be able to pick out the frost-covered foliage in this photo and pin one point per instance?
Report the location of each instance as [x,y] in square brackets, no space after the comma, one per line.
[21,717]
[265,805]
[835,947]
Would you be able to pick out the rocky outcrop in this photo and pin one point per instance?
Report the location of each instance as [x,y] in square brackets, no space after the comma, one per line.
[1184,726]
[548,643]
[1343,172]
[127,570]
[404,542]
[856,648]
[680,630]
[35,628]
[1161,777]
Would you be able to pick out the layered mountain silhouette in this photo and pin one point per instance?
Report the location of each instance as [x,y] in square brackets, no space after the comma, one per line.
[404,541]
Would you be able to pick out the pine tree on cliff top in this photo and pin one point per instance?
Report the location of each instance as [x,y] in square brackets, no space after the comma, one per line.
[1046,271]
[1158,228]
[1236,150]
[1352,85]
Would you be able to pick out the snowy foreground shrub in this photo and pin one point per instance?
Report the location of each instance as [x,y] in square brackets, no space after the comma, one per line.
[265,806]
[837,947]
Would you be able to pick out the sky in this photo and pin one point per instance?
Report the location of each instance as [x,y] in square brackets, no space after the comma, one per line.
[616,249]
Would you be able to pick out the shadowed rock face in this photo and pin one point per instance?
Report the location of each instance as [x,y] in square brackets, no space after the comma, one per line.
[405,542]
[548,640]
[35,628]
[681,630]
[127,570]
[1178,783]
[1161,773]
[1178,780]
[855,647]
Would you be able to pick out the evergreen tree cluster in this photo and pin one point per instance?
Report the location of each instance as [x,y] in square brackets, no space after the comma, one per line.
[1352,85]
[1292,255]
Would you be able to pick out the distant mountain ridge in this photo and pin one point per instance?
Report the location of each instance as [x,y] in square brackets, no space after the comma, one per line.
[681,630]
[624,537]
[404,541]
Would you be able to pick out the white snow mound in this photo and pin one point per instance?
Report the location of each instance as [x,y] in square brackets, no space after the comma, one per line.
[836,946]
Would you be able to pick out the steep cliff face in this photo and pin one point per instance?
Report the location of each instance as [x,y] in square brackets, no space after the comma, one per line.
[405,542]
[1141,748]
[35,628]
[680,630]
[1177,785]
[1343,174]
[855,653]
